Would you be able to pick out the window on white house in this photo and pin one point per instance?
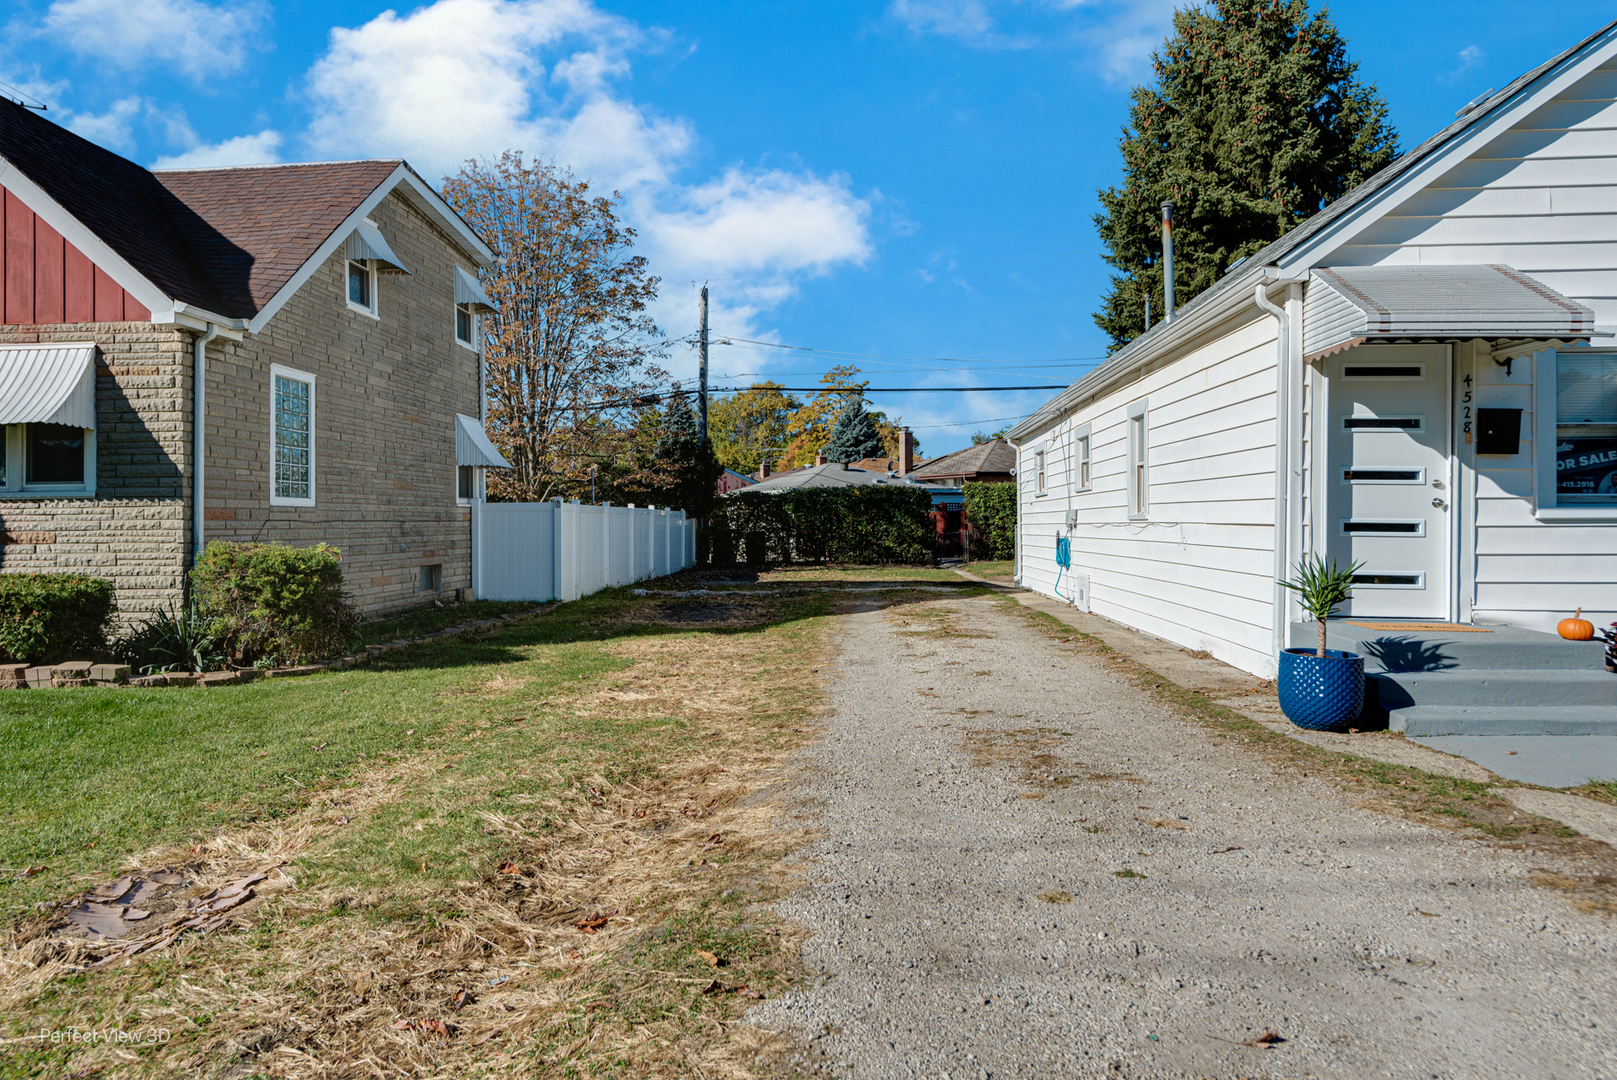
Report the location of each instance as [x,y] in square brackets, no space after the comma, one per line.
[1585,428]
[1080,458]
[465,483]
[1139,480]
[291,437]
[465,325]
[362,285]
[1038,470]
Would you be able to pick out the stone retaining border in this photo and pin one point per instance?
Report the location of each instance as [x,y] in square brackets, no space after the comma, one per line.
[87,673]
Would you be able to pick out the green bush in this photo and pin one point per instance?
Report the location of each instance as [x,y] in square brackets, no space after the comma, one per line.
[867,524]
[991,514]
[272,600]
[49,618]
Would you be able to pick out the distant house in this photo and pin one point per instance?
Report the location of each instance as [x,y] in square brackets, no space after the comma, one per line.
[1418,378]
[284,353]
[994,460]
[730,480]
[838,474]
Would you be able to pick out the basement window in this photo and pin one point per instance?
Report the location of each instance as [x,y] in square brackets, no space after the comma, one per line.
[432,578]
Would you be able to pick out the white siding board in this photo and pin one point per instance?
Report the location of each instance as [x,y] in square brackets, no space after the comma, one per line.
[1555,569]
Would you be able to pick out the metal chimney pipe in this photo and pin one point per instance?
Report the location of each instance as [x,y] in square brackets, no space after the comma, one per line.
[1167,260]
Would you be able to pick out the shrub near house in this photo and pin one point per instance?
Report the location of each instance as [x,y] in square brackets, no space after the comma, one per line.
[274,601]
[991,513]
[45,618]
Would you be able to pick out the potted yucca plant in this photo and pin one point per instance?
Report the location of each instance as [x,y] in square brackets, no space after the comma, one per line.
[1320,688]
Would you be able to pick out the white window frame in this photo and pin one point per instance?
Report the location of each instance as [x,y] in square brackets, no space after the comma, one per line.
[463,500]
[1040,487]
[1083,470]
[278,371]
[1545,436]
[16,485]
[373,277]
[1139,467]
[466,343]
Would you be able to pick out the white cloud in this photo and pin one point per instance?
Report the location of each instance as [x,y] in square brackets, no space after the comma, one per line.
[462,79]
[1467,60]
[113,128]
[197,39]
[260,149]
[1119,34]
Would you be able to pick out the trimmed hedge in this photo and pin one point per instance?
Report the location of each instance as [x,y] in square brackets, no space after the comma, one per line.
[273,600]
[866,524]
[49,618]
[991,513]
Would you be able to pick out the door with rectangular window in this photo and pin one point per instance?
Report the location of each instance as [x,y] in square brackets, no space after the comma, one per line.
[1388,503]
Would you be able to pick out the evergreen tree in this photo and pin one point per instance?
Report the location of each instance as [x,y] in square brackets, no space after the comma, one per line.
[1256,122]
[686,461]
[856,435]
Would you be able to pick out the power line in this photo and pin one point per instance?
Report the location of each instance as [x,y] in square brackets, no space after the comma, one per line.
[888,356]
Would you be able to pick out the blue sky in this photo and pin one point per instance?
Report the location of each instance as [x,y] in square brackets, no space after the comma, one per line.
[905,180]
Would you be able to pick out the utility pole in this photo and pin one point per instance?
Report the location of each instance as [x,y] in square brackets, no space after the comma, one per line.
[701,374]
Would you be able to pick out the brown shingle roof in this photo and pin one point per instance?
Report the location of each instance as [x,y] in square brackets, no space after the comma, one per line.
[993,457]
[251,229]
[225,240]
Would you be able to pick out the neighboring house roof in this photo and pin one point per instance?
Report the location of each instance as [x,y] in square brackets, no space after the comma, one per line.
[730,480]
[250,230]
[1348,305]
[829,475]
[231,243]
[1475,124]
[871,464]
[994,456]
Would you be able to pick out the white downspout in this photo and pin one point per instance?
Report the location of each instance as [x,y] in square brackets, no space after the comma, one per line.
[1282,526]
[199,417]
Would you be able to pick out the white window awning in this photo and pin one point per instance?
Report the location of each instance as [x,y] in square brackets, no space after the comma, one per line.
[48,384]
[468,290]
[473,446]
[1352,305]
[367,243]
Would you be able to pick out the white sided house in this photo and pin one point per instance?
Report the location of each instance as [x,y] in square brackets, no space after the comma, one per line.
[1421,377]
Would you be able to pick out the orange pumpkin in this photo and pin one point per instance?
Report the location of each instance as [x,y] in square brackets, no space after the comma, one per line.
[1576,629]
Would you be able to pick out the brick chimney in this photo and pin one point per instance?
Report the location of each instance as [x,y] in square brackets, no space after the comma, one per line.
[763,469]
[906,451]
[819,459]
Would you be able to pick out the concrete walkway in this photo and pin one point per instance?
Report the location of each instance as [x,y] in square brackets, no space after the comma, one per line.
[1548,761]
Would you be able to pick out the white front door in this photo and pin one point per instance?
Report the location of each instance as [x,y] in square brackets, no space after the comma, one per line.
[1388,499]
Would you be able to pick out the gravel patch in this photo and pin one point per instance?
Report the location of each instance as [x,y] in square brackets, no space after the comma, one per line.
[973,779]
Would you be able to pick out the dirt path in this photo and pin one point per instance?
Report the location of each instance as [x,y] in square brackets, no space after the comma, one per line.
[973,777]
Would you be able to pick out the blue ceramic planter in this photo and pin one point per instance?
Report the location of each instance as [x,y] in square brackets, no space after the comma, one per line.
[1321,693]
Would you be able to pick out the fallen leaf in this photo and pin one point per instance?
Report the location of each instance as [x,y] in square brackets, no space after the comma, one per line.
[509,867]
[403,1025]
[485,1037]
[596,921]
[640,813]
[1428,914]
[463,999]
[574,954]
[716,840]
[437,1027]
[714,987]
[503,1007]
[1232,847]
[1512,753]
[749,992]
[30,871]
[518,719]
[711,958]
[1265,1040]
[1164,823]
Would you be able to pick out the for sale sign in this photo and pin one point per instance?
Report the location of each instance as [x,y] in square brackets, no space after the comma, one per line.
[1586,466]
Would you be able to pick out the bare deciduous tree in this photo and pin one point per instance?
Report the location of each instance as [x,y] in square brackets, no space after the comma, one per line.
[571,347]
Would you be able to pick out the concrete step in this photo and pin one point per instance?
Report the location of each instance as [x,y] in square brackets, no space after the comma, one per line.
[1422,720]
[1501,687]
[1503,647]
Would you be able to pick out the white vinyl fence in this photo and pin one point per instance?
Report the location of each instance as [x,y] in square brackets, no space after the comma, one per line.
[556,550]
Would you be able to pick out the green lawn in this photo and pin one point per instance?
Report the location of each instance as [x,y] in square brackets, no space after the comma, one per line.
[598,747]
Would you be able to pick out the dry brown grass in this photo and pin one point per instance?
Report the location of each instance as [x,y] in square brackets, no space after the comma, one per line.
[326,974]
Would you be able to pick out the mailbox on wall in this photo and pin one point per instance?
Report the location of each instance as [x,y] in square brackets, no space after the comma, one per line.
[1499,431]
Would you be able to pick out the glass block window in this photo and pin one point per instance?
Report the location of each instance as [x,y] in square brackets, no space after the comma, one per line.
[292,439]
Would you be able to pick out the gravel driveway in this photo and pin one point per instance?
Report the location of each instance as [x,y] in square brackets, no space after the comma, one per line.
[973,777]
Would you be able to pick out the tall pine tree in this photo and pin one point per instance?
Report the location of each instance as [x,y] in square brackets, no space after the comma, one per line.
[1257,121]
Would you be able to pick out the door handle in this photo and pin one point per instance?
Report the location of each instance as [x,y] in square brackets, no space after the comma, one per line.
[1439,503]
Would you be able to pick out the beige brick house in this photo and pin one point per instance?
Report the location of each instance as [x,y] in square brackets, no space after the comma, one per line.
[331,311]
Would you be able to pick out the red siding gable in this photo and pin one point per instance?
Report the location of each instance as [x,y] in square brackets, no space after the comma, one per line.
[48,280]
